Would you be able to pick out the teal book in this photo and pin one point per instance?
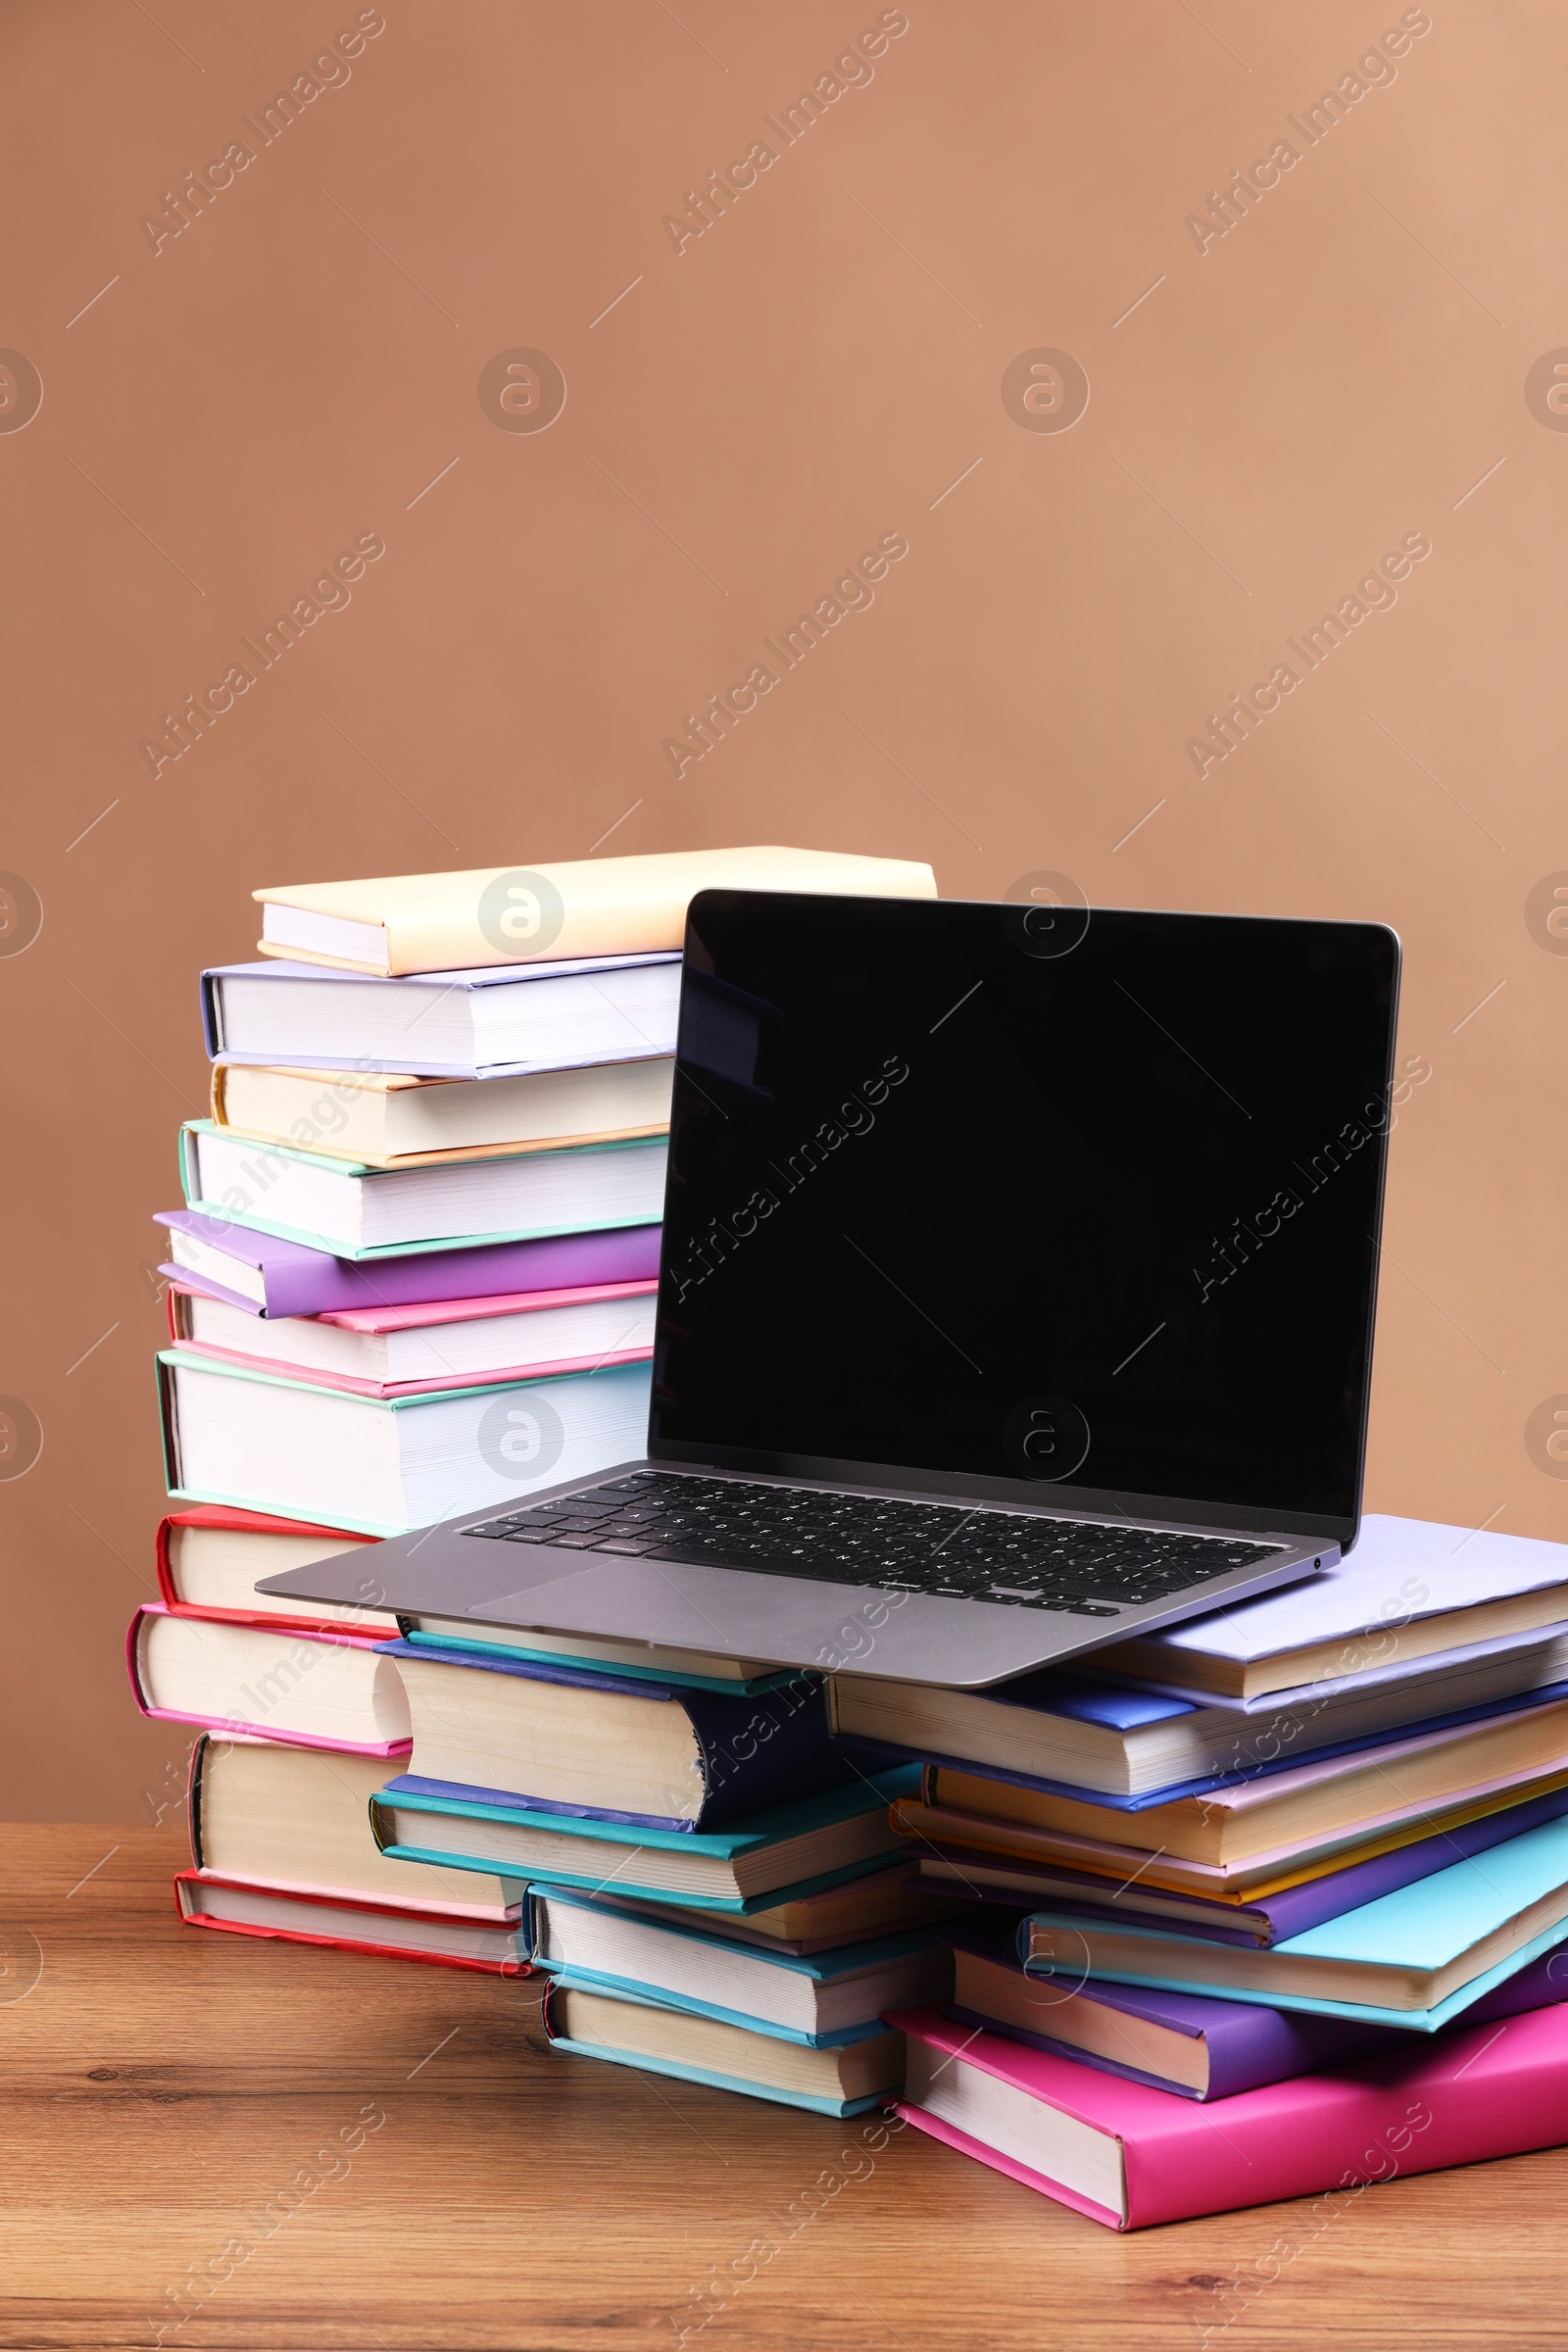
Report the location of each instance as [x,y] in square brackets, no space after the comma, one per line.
[355,1212]
[771,1857]
[1418,1957]
[632,2029]
[823,2001]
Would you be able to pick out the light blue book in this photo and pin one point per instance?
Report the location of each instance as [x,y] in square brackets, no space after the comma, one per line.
[1418,1957]
[632,2029]
[358,1213]
[824,2003]
[772,1857]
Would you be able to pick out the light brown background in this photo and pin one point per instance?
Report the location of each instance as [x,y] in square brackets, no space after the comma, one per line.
[817,370]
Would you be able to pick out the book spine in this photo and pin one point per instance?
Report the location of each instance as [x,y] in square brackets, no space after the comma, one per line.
[763,1750]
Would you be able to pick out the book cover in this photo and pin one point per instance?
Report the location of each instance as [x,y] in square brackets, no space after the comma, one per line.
[756,1749]
[275,1277]
[1473,2095]
[1249,2043]
[584,907]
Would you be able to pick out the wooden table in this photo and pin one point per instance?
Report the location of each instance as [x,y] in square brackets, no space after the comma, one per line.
[301,2148]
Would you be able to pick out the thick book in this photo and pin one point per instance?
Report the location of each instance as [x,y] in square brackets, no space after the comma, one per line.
[775,1857]
[553,1738]
[1283,1808]
[448,1343]
[1127,1739]
[297,1819]
[332,1687]
[1410,1589]
[1194,2044]
[831,1997]
[1131,2156]
[584,907]
[632,2029]
[878,1904]
[505,1023]
[360,1212]
[211,1557]
[391,1931]
[389,1120]
[1417,1958]
[382,1465]
[1273,1916]
[267,1276]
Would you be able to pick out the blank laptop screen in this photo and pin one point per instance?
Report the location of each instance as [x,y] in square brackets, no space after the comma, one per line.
[1005,1194]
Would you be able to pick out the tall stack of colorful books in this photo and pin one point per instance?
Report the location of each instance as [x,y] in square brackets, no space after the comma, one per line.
[1272,1903]
[414,1274]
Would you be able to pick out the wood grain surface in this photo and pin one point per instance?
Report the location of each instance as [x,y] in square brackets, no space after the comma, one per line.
[253,2144]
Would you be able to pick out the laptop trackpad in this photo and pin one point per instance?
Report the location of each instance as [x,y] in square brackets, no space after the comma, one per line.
[616,1602]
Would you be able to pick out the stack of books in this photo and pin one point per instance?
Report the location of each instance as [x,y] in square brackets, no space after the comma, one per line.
[414,1274]
[1302,1862]
[715,1888]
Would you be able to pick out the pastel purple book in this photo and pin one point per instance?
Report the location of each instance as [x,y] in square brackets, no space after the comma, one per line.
[268,1276]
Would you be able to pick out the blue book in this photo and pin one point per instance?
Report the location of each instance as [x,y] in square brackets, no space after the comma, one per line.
[775,1856]
[1192,2044]
[631,2028]
[1415,1958]
[500,1726]
[359,1212]
[823,2002]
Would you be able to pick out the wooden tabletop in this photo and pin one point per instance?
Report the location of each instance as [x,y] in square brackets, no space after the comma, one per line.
[248,2143]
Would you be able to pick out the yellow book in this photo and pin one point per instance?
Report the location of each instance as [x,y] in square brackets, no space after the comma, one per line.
[402,923]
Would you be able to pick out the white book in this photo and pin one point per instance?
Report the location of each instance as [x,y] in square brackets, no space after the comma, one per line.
[1410,1589]
[450,1344]
[383,1466]
[355,1212]
[469,1024]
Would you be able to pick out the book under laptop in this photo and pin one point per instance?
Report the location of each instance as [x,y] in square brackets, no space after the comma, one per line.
[1016,1295]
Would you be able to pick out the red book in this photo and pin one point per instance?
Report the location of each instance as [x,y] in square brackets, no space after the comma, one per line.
[354,1923]
[211,1556]
[1130,2156]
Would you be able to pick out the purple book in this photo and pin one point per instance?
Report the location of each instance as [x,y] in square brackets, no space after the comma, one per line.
[1271,1919]
[1215,2048]
[268,1276]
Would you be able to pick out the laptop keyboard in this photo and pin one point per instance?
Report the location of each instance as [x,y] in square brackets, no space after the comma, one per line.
[940,1549]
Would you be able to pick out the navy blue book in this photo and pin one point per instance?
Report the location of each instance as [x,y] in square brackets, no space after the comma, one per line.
[552,1738]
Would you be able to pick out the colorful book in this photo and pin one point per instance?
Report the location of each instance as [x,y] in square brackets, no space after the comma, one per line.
[360,1212]
[1273,1917]
[1057,1729]
[499,1024]
[330,1688]
[1131,2156]
[382,1465]
[385,1930]
[880,1904]
[267,1813]
[585,908]
[775,1857]
[640,1662]
[823,2001]
[386,1119]
[550,1738]
[1410,1589]
[209,1557]
[630,2029]
[1282,1808]
[449,1344]
[1417,1958]
[1196,2046]
[267,1276]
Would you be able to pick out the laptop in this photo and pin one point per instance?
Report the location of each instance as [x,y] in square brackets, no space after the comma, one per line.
[1016,1295]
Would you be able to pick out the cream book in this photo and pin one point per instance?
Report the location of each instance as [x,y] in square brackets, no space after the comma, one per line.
[403,924]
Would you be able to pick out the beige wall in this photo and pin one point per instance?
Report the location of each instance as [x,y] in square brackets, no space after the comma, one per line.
[301,366]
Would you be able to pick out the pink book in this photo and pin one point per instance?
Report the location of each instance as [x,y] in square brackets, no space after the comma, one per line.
[1131,2156]
[267,1678]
